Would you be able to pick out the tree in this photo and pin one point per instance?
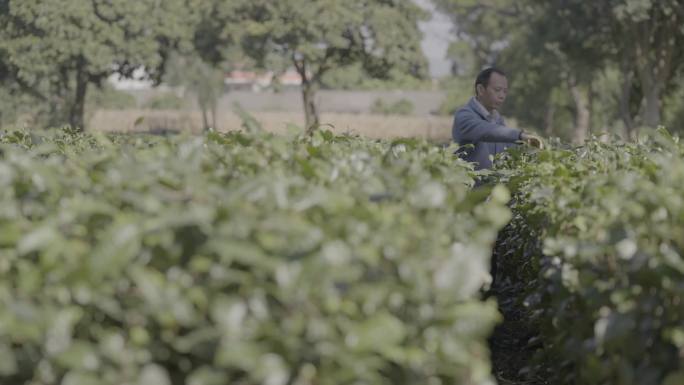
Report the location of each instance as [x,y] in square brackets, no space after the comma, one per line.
[548,81]
[317,36]
[200,79]
[486,27]
[643,38]
[56,49]
[510,34]
[554,52]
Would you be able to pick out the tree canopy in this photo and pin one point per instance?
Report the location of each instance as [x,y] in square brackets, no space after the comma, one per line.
[570,75]
[562,60]
[316,37]
[55,49]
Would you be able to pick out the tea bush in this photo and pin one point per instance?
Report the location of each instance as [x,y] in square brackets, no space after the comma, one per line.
[595,248]
[244,259]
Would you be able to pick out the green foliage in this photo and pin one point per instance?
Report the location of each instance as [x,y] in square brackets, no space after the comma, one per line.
[242,258]
[558,60]
[317,37]
[459,90]
[199,79]
[19,108]
[249,122]
[483,28]
[56,49]
[514,35]
[642,37]
[353,77]
[400,107]
[596,246]
[673,108]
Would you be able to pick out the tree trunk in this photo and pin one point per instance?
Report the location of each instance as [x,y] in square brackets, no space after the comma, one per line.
[310,110]
[213,117]
[205,118]
[548,119]
[625,98]
[77,111]
[655,61]
[651,88]
[652,104]
[582,112]
[309,87]
[591,94]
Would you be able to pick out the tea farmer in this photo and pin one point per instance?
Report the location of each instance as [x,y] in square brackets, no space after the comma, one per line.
[480,125]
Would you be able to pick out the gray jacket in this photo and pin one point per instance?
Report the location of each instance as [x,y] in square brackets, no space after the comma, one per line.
[488,133]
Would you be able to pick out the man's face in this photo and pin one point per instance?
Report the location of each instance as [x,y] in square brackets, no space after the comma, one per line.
[493,96]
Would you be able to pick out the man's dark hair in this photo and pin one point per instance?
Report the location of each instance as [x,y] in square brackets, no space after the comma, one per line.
[484,75]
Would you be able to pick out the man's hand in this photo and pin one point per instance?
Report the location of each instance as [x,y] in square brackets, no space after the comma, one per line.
[532,140]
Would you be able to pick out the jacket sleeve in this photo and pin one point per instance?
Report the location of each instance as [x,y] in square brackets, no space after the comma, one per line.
[470,128]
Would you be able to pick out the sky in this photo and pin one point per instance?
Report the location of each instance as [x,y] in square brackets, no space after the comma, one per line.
[437,36]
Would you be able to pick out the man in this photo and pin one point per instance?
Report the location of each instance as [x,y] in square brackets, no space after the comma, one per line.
[479,123]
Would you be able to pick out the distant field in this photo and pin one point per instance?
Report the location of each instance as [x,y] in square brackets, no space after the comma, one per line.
[373,126]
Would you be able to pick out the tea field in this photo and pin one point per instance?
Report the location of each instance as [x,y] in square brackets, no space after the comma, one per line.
[590,270]
[286,259]
[245,259]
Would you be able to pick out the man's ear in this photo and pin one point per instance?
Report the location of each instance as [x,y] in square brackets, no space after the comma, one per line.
[479,89]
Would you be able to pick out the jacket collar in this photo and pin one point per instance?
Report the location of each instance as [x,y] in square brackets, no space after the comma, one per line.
[482,111]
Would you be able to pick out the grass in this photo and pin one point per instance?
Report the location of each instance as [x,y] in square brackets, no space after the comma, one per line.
[372,126]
